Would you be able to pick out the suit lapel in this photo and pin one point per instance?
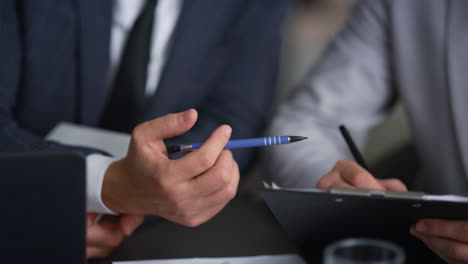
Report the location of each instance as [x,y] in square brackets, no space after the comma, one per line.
[197,55]
[457,69]
[95,19]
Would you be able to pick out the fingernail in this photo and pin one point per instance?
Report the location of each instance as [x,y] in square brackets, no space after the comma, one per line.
[227,130]
[421,227]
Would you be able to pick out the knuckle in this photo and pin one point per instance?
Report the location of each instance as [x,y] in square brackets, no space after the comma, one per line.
[177,202]
[165,187]
[140,129]
[137,130]
[191,222]
[228,153]
[231,193]
[463,233]
[395,183]
[356,178]
[115,242]
[341,164]
[456,251]
[431,228]
[138,135]
[323,183]
[225,177]
[185,217]
[204,161]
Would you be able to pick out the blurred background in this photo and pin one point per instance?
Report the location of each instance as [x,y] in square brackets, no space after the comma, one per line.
[309,28]
[311,25]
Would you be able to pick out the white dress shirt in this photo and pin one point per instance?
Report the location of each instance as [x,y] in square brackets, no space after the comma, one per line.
[124,15]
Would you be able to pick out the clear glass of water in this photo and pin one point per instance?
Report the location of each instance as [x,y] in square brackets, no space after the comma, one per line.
[363,251]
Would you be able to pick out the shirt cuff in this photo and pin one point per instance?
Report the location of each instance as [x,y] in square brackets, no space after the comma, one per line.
[96,166]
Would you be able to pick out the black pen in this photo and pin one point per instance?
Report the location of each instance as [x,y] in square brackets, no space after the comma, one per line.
[352,147]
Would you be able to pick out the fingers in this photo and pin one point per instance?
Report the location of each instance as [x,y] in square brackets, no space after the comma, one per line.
[393,185]
[149,184]
[146,141]
[447,238]
[167,126]
[210,205]
[227,193]
[97,252]
[330,179]
[349,174]
[357,176]
[128,223]
[217,177]
[106,234]
[205,157]
[449,229]
[101,238]
[199,198]
[452,251]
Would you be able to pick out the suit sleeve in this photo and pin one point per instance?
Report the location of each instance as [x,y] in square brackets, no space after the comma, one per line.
[13,138]
[243,96]
[350,85]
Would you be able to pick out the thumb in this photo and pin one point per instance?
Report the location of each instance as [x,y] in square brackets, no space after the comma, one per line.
[128,223]
[170,125]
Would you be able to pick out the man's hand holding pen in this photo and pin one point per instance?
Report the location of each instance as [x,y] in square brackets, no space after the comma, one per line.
[189,190]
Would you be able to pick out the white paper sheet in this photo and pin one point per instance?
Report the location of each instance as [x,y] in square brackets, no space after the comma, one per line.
[112,142]
[268,259]
[446,198]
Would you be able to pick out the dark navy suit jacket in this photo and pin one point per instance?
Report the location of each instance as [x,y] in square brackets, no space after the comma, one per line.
[55,58]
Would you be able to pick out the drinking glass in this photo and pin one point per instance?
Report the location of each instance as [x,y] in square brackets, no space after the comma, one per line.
[363,251]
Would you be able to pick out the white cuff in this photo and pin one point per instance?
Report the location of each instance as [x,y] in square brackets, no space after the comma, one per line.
[96,166]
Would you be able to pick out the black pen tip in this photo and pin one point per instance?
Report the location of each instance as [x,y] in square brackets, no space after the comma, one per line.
[296,138]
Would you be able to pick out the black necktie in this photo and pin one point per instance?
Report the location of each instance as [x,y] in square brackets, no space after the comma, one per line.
[126,102]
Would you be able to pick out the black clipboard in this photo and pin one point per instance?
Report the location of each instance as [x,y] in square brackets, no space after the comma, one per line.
[314,218]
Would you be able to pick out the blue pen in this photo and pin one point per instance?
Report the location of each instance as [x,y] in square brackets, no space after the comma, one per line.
[240,143]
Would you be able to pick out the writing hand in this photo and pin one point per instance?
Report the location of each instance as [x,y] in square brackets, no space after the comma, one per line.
[349,174]
[189,190]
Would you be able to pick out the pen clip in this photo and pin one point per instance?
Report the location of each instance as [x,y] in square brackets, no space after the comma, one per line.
[375,193]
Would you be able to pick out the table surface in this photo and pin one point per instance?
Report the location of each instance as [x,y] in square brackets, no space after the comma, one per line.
[245,227]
